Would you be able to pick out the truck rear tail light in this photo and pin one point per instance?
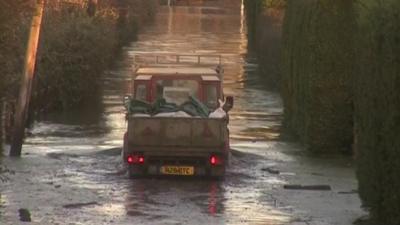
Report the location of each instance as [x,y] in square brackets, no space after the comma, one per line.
[129,159]
[215,160]
[135,159]
[141,159]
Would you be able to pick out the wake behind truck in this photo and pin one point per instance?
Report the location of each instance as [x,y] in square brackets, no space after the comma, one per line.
[177,117]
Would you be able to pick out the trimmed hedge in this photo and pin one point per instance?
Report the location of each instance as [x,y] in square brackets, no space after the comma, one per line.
[341,78]
[318,62]
[331,60]
[253,9]
[377,110]
[74,51]
[74,48]
[264,22]
[13,36]
[12,45]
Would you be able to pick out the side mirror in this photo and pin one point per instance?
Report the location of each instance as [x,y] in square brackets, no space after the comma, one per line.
[127,99]
[228,103]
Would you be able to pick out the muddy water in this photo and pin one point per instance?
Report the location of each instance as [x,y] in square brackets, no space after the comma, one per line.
[76,154]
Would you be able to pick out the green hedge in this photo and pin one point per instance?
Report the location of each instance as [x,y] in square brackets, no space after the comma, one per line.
[12,45]
[253,10]
[318,61]
[377,110]
[333,60]
[13,36]
[264,22]
[74,48]
[74,51]
[341,86]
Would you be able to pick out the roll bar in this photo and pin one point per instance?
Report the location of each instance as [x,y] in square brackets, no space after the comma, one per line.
[177,59]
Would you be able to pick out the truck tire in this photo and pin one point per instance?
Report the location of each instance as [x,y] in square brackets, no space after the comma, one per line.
[136,172]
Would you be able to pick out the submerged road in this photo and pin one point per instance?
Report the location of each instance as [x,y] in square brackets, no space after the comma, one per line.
[73,173]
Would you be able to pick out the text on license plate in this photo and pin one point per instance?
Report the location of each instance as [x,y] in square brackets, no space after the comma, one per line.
[178,170]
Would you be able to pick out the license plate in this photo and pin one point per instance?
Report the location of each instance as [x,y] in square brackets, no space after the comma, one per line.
[178,170]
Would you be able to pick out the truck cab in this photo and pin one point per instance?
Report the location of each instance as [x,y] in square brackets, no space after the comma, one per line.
[178,143]
[177,84]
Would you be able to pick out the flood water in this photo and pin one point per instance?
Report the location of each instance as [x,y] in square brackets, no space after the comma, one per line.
[77,153]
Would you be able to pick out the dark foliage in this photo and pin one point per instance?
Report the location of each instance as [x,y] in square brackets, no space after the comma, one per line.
[377,110]
[75,47]
[318,62]
[264,22]
[341,79]
[12,44]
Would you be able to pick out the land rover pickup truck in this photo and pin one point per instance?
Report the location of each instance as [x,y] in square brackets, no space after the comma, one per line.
[189,138]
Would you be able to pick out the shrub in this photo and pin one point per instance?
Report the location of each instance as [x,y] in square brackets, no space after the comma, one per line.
[12,44]
[377,110]
[13,29]
[318,61]
[75,49]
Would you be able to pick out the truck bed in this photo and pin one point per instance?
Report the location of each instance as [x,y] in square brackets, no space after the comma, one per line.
[193,133]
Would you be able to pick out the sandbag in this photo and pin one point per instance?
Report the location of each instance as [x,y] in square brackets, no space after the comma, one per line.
[162,106]
[134,106]
[193,107]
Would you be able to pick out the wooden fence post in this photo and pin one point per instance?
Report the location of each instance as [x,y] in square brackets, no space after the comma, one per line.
[27,80]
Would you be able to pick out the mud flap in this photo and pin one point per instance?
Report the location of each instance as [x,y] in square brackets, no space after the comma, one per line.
[136,171]
[217,172]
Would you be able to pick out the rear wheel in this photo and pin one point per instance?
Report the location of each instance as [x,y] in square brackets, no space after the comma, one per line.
[217,172]
[217,178]
[125,147]
[135,173]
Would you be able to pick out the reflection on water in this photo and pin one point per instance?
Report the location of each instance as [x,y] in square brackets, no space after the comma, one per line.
[214,203]
[254,124]
[167,199]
